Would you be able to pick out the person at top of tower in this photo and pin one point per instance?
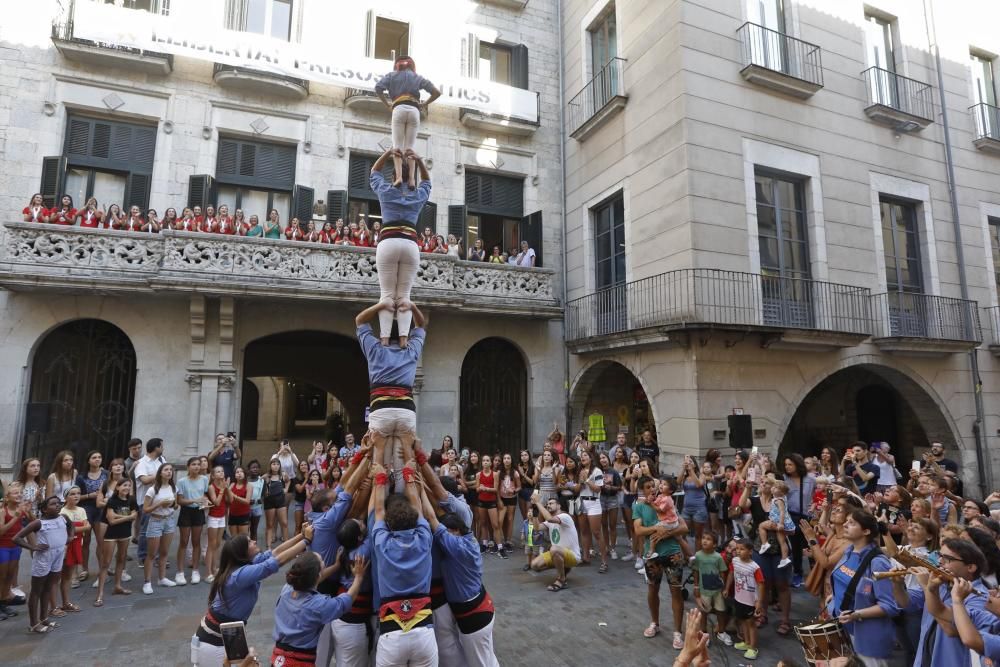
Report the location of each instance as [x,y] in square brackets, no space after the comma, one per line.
[400,91]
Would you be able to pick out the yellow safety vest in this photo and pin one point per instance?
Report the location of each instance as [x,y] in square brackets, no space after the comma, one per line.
[595,430]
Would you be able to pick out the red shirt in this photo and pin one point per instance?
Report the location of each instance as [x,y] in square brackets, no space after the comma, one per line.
[239,509]
[225,226]
[491,481]
[36,214]
[89,219]
[427,244]
[134,224]
[7,539]
[187,225]
[219,510]
[294,234]
[206,224]
[62,216]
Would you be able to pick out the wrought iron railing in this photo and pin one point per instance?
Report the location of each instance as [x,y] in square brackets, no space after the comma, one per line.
[928,316]
[602,89]
[699,297]
[222,67]
[778,52]
[63,30]
[987,120]
[993,321]
[888,89]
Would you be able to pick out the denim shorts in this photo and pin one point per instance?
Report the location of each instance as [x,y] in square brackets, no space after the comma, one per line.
[10,555]
[159,526]
[257,510]
[696,513]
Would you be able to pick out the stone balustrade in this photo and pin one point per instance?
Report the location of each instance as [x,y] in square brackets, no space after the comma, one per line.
[44,256]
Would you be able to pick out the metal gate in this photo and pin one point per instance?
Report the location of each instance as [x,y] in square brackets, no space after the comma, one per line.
[82,392]
[493,399]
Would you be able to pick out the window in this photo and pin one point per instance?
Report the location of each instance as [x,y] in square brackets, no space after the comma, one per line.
[263,17]
[362,202]
[108,187]
[881,49]
[255,176]
[495,63]
[983,80]
[609,242]
[781,226]
[770,48]
[994,229]
[254,201]
[154,6]
[901,246]
[603,41]
[494,230]
[389,39]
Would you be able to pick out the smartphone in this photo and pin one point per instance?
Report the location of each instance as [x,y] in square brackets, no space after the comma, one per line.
[915,465]
[234,639]
[754,450]
[829,496]
[752,474]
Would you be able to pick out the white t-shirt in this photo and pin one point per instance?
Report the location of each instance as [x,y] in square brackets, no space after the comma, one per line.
[886,473]
[596,476]
[145,466]
[165,493]
[524,258]
[562,533]
[289,462]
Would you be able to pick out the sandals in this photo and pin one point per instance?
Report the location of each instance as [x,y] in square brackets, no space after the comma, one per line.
[39,629]
[784,628]
[51,624]
[651,631]
[761,621]
[121,591]
[603,568]
[69,606]
[99,602]
[556,586]
[57,612]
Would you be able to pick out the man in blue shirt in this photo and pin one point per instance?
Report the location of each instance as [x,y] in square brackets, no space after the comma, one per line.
[392,370]
[970,623]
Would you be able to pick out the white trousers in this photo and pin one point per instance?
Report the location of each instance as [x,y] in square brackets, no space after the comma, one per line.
[352,644]
[446,634]
[405,122]
[324,647]
[396,261]
[478,647]
[415,648]
[393,423]
[207,655]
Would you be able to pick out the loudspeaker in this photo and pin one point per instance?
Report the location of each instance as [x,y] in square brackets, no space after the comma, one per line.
[38,419]
[740,431]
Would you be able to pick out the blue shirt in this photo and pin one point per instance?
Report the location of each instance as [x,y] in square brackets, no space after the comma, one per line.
[404,559]
[243,587]
[300,616]
[869,635]
[808,487]
[400,204]
[991,649]
[325,526]
[463,565]
[456,505]
[374,562]
[947,650]
[227,459]
[403,82]
[193,488]
[391,365]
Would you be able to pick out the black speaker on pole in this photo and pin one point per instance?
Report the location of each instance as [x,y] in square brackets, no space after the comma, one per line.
[740,431]
[39,418]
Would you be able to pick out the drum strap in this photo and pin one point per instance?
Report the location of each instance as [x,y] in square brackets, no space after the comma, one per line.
[847,603]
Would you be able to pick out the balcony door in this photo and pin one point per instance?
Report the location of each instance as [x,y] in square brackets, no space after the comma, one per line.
[603,49]
[903,272]
[784,251]
[611,306]
[770,49]
[987,120]
[881,54]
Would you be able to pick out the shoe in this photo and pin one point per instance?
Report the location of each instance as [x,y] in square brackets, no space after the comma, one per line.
[614,555]
[492,548]
[593,553]
[639,563]
[751,654]
[18,592]
[629,556]
[797,581]
[126,576]
[167,582]
[180,579]
[75,584]
[502,552]
[764,547]
[482,548]
[741,646]
[784,562]
[724,638]
[526,568]
[210,578]
[147,588]
[651,631]
[94,585]
[678,641]
[195,577]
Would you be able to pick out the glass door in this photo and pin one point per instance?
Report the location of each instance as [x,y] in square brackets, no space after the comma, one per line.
[603,49]
[881,54]
[770,49]
[784,252]
[611,307]
[903,273]
[985,95]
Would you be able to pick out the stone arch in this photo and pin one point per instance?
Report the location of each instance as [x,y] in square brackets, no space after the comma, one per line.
[582,389]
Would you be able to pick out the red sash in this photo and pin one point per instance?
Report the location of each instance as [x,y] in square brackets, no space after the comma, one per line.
[289,657]
[406,613]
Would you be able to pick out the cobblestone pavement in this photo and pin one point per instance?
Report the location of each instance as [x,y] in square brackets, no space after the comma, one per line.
[598,620]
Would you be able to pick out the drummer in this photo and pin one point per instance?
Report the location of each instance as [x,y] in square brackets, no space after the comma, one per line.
[863,605]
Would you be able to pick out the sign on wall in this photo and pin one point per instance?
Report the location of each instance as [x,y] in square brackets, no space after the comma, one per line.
[104,24]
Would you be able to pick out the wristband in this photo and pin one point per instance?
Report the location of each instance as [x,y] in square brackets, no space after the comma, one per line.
[357,458]
[381,479]
[420,457]
[408,475]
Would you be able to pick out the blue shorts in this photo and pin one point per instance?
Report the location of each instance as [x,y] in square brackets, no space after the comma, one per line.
[10,555]
[698,513]
[257,510]
[768,563]
[160,526]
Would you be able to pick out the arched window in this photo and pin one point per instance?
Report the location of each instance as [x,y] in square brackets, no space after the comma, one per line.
[494,393]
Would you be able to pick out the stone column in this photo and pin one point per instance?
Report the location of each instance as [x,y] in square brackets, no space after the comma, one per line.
[225,396]
[194,412]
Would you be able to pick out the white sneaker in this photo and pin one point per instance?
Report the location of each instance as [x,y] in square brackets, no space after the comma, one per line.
[784,562]
[210,578]
[629,556]
[724,638]
[147,588]
[17,591]
[639,563]
[126,576]
[195,577]
[167,582]
[764,547]
[94,585]
[614,555]
[180,580]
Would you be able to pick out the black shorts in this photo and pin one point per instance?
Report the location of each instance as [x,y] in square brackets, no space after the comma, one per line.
[239,520]
[509,502]
[742,611]
[191,518]
[487,504]
[274,502]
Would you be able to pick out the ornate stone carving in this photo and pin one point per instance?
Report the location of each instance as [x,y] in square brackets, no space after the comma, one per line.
[226,382]
[194,382]
[47,245]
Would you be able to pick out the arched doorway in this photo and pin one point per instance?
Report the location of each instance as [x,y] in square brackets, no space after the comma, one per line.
[308,385]
[494,393]
[82,392]
[250,414]
[867,402]
[610,390]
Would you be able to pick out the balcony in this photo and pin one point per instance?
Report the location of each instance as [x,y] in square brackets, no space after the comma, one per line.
[904,104]
[256,82]
[599,101]
[664,310]
[102,54]
[925,324]
[782,63]
[44,257]
[993,319]
[489,122]
[365,101]
[986,118]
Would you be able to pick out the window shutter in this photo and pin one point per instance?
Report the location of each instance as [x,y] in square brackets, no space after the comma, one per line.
[248,160]
[531,231]
[456,223]
[336,204]
[494,195]
[53,179]
[256,164]
[370,34]
[137,190]
[428,218]
[101,146]
[519,66]
[121,143]
[302,203]
[201,190]
[357,176]
[284,164]
[143,146]
[472,56]
[228,155]
[78,137]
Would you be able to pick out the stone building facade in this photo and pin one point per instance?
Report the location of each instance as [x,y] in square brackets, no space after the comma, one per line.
[760,221]
[165,104]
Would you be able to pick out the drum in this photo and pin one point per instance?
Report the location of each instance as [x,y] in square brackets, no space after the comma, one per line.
[823,641]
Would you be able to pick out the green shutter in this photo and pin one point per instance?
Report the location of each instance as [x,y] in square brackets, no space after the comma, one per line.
[256,164]
[137,190]
[201,190]
[519,66]
[302,203]
[531,231]
[53,179]
[428,218]
[493,194]
[456,223]
[336,205]
[110,144]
